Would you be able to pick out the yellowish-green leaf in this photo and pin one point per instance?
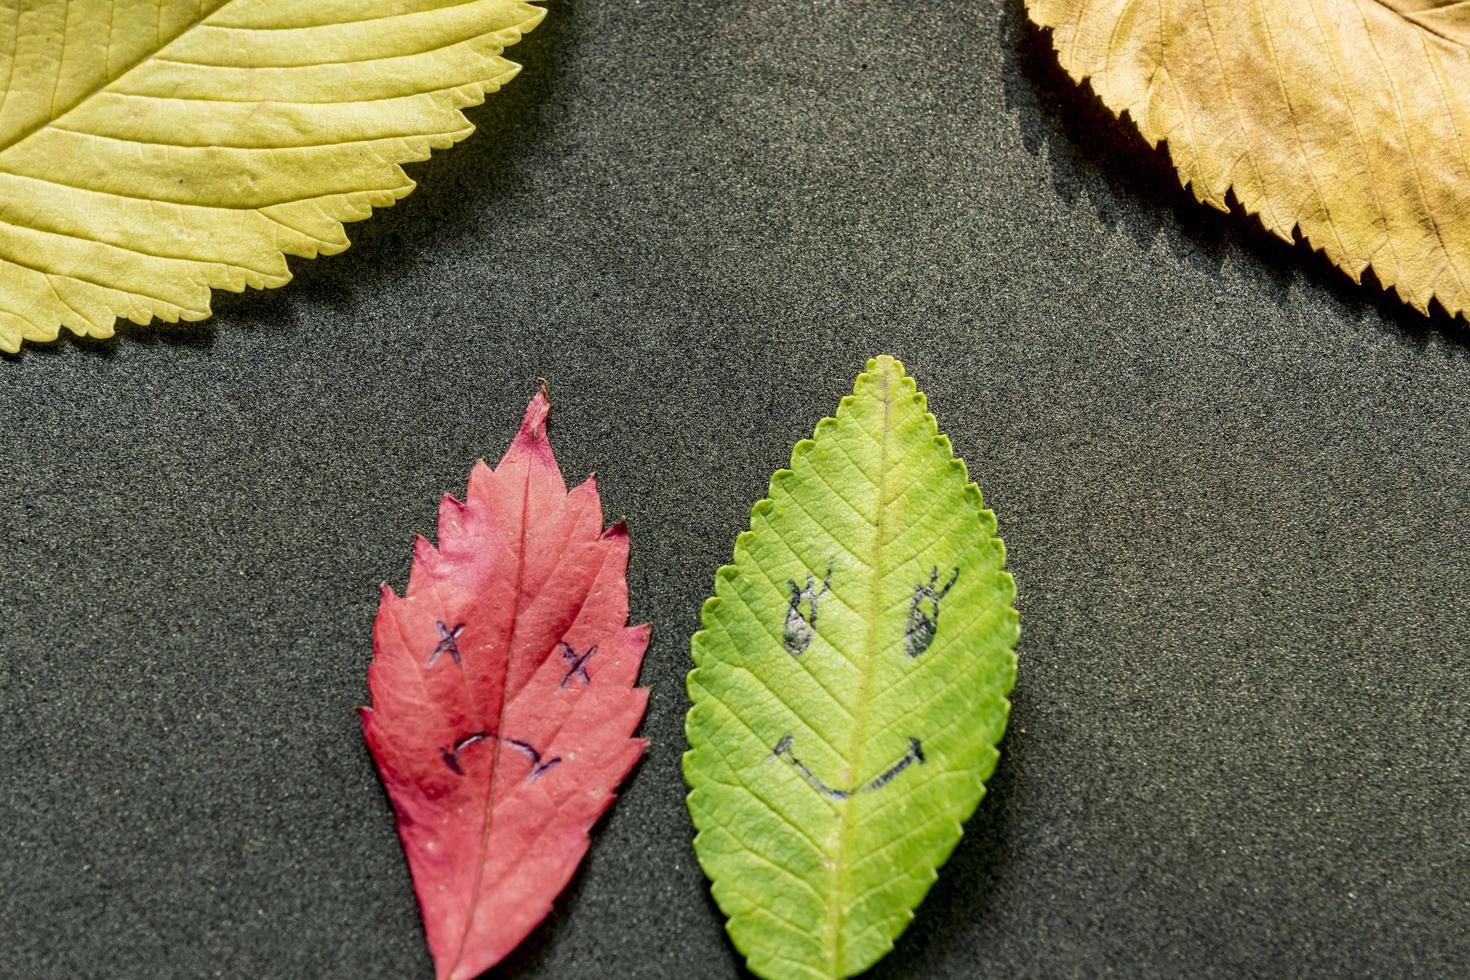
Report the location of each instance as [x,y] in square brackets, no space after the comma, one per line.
[849,687]
[153,150]
[1348,118]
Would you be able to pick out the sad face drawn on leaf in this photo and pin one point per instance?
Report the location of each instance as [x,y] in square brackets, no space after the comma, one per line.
[539,766]
[919,632]
[453,756]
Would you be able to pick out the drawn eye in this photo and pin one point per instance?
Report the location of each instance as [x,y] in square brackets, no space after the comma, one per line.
[801,613]
[924,613]
[448,643]
[576,664]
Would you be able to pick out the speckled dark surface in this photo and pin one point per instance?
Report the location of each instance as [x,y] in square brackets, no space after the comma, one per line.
[1235,489]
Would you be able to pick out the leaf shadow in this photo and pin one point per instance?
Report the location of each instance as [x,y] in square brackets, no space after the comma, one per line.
[532,951]
[1133,189]
[157,333]
[966,885]
[454,187]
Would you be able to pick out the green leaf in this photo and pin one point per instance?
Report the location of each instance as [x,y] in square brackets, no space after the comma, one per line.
[153,150]
[849,687]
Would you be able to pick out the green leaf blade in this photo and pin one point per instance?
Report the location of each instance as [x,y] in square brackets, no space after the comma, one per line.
[841,728]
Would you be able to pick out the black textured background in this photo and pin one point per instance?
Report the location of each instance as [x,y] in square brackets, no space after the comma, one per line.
[1234,486]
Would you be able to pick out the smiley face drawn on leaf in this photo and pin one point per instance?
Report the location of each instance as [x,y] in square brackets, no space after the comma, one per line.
[842,726]
[801,626]
[919,633]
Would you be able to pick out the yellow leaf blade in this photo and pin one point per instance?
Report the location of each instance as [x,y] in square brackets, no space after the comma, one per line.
[152,152]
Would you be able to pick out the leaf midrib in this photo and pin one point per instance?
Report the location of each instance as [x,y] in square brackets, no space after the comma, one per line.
[489,811]
[870,646]
[53,115]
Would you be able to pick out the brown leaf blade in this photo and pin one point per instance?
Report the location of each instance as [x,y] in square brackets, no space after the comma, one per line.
[1349,119]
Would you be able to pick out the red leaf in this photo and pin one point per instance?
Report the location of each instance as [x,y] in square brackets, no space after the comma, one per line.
[503,699]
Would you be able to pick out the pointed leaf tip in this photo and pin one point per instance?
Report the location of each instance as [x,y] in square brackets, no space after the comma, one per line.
[532,434]
[487,865]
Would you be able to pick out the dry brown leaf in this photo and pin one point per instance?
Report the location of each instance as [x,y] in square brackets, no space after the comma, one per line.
[1348,118]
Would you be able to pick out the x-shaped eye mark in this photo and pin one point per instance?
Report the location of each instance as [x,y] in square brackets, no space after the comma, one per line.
[448,643]
[578,663]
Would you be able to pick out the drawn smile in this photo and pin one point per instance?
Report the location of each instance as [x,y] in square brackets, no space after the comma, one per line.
[783,750]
